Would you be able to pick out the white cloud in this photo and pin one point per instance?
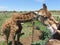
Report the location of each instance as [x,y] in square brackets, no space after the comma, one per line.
[5,8]
[40,0]
[2,8]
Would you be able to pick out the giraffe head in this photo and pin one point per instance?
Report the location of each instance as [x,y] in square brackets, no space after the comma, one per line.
[43,14]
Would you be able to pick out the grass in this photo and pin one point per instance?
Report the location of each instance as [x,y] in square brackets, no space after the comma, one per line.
[2,43]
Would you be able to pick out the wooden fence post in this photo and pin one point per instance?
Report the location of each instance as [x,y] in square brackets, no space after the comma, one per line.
[33,23]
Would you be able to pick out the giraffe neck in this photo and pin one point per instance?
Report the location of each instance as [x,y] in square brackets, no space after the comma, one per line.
[23,17]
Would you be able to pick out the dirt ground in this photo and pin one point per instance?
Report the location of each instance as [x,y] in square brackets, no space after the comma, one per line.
[28,39]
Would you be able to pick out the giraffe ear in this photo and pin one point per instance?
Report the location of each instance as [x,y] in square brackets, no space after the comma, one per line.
[36,12]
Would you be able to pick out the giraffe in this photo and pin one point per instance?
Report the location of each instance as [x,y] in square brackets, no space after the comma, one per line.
[12,26]
[46,17]
[44,14]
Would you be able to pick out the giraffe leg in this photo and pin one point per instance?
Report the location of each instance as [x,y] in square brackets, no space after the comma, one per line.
[12,35]
[19,32]
[18,37]
[6,39]
[6,36]
[13,39]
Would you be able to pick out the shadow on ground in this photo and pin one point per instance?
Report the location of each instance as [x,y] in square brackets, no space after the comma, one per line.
[16,43]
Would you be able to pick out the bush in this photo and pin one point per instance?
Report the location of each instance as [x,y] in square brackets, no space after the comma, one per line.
[45,34]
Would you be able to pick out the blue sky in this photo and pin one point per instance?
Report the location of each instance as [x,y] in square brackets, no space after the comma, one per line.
[27,5]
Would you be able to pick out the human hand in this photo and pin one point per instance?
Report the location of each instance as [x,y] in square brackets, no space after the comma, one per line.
[58,31]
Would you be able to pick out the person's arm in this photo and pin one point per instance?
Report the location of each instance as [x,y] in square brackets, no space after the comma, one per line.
[55,28]
[58,31]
